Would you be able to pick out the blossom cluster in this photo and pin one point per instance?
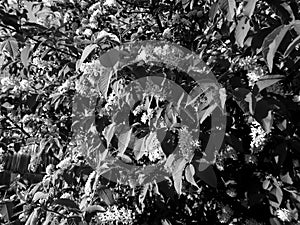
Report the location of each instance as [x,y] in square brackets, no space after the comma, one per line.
[258,136]
[115,215]
[254,70]
[186,142]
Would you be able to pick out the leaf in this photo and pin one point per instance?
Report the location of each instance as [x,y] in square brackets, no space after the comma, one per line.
[7,105]
[165,222]
[25,55]
[267,81]
[222,93]
[109,132]
[277,192]
[268,122]
[297,26]
[138,148]
[11,47]
[177,174]
[274,221]
[291,46]
[66,202]
[94,208]
[98,37]
[39,195]
[86,52]
[123,141]
[271,44]
[208,176]
[143,193]
[249,6]
[189,175]
[107,196]
[202,115]
[287,178]
[104,82]
[110,58]
[213,11]
[242,30]
[228,7]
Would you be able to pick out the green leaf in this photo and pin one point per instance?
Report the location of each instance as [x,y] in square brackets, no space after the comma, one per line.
[107,196]
[271,44]
[228,7]
[267,81]
[11,47]
[286,178]
[86,52]
[39,195]
[274,221]
[297,26]
[213,11]
[249,6]
[202,115]
[208,176]
[223,96]
[110,58]
[267,122]
[123,141]
[25,55]
[143,193]
[189,175]
[94,208]
[103,83]
[109,132]
[242,30]
[178,168]
[7,105]
[291,46]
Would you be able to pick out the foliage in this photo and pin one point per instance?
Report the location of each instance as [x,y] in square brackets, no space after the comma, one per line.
[55,51]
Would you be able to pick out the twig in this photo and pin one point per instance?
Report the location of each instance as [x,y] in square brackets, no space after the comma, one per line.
[17,126]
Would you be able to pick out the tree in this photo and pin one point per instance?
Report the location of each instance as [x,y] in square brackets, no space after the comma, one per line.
[64,73]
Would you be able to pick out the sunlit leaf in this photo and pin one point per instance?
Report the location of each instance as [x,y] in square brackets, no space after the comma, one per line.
[86,52]
[110,58]
[249,6]
[267,81]
[228,7]
[109,132]
[242,30]
[189,174]
[25,55]
[271,44]
[291,46]
[123,141]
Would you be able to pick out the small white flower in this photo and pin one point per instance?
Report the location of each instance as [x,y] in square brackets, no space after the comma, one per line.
[88,32]
[110,2]
[284,215]
[144,118]
[24,85]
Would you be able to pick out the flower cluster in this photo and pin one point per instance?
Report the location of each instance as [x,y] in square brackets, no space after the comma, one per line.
[255,71]
[227,153]
[115,215]
[225,214]
[284,215]
[258,136]
[186,142]
[2,156]
[154,149]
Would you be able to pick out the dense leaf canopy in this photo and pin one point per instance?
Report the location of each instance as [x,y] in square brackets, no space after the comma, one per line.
[73,113]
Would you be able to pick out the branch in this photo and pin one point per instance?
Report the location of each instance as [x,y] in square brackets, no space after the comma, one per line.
[17,126]
[45,44]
